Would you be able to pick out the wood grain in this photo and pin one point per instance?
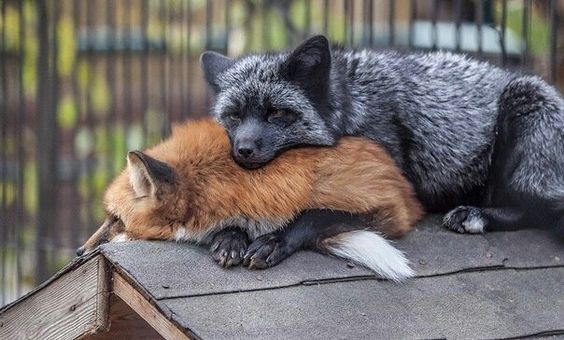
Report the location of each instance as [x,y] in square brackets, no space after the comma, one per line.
[145,309]
[125,324]
[67,308]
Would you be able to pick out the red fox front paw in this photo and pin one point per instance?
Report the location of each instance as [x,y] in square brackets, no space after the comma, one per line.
[228,247]
[266,251]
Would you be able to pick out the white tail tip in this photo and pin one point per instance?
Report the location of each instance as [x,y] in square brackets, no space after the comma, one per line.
[372,251]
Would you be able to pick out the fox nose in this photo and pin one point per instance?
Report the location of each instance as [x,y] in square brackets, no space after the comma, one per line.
[245,152]
[80,251]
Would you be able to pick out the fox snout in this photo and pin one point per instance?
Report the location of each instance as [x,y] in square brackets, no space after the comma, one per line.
[104,234]
[250,157]
[249,151]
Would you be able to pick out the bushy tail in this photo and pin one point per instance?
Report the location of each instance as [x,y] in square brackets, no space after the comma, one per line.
[372,251]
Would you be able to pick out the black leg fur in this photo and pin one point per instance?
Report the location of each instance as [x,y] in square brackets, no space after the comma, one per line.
[465,219]
[526,184]
[306,232]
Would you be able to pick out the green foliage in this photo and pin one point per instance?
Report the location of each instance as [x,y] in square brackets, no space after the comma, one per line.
[83,75]
[539,28]
[67,113]
[8,191]
[100,95]
[66,46]
[31,50]
[11,25]
[30,187]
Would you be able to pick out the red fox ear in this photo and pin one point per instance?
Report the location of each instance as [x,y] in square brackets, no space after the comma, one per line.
[148,176]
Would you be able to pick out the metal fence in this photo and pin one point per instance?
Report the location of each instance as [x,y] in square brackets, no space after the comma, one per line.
[83,81]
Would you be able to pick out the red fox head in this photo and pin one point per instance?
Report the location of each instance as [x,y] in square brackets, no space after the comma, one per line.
[192,189]
[143,202]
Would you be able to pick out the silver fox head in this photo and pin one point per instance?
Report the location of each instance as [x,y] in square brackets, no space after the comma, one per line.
[271,102]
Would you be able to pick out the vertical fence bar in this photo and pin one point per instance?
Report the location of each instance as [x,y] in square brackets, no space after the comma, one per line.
[457,20]
[347,24]
[502,44]
[307,15]
[162,71]
[76,200]
[189,56]
[46,141]
[434,17]
[170,61]
[480,20]
[20,129]
[525,31]
[183,45]
[127,58]
[553,40]
[365,22]
[90,121]
[412,17]
[55,91]
[111,126]
[144,67]
[326,5]
[227,25]
[209,18]
[371,22]
[265,32]
[391,22]
[3,175]
[351,23]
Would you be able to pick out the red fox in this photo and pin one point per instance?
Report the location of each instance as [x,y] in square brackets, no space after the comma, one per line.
[188,188]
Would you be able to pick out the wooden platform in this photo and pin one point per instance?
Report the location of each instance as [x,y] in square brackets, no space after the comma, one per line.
[498,285]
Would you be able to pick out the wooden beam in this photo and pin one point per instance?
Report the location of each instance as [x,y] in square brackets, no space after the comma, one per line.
[145,309]
[125,323]
[71,306]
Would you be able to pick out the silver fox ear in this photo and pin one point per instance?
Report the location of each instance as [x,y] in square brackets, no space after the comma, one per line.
[213,64]
[310,60]
[148,176]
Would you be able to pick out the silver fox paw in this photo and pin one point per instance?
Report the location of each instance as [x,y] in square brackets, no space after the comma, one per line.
[465,219]
[228,247]
[266,251]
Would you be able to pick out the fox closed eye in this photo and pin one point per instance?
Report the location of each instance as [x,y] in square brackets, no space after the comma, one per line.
[281,116]
[276,114]
[235,116]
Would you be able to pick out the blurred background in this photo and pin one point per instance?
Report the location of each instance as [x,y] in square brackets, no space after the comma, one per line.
[84,81]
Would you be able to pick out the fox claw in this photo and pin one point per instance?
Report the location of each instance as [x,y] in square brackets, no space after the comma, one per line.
[228,247]
[265,252]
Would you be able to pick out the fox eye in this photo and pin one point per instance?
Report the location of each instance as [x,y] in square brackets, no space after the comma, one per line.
[275,114]
[282,117]
[236,116]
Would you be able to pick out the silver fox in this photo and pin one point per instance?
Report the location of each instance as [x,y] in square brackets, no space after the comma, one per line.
[481,143]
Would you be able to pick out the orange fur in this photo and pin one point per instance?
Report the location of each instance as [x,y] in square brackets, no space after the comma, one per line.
[356,176]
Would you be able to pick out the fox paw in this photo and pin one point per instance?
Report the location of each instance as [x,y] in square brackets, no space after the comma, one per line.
[465,219]
[228,247]
[266,251]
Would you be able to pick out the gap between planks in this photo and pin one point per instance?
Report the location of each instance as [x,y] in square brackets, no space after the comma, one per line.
[145,309]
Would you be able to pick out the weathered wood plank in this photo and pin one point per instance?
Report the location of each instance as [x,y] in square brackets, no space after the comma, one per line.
[145,309]
[124,324]
[73,305]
